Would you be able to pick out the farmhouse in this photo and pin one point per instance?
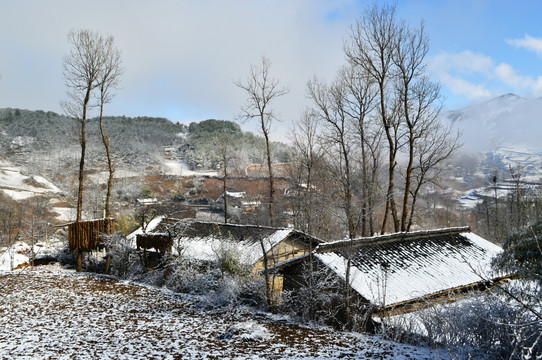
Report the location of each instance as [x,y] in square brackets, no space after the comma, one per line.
[204,240]
[400,272]
[207,240]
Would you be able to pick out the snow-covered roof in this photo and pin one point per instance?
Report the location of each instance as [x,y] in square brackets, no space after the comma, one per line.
[206,240]
[153,224]
[394,268]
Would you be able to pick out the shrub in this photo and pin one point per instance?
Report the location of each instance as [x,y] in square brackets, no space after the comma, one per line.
[125,261]
[471,327]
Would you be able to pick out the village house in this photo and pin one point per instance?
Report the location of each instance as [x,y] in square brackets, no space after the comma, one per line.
[389,274]
[206,240]
[401,272]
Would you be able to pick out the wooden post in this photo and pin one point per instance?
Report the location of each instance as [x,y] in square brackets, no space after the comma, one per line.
[107,263]
[79,260]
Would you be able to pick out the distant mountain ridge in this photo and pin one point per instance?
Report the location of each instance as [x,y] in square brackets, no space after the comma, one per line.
[43,141]
[39,136]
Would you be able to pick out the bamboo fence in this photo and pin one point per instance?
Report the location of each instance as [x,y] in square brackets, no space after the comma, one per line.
[85,235]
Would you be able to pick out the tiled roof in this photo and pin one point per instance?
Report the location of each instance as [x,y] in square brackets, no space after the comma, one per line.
[204,240]
[398,267]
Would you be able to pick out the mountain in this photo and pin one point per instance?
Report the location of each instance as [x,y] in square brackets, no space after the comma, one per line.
[507,120]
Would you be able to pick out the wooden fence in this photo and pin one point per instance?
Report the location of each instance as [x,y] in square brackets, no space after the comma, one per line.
[160,242]
[85,235]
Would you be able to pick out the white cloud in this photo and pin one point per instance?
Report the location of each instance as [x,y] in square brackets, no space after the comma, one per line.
[509,76]
[463,87]
[454,71]
[464,62]
[528,42]
[477,76]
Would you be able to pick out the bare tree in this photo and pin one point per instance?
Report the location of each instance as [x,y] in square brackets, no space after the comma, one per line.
[330,104]
[82,69]
[371,46]
[261,90]
[223,142]
[35,222]
[108,79]
[392,56]
[359,105]
[11,214]
[309,154]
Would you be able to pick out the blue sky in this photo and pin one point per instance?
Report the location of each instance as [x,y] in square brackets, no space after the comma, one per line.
[181,58]
[481,49]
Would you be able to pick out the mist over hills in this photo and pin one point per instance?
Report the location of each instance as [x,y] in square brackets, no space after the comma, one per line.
[505,121]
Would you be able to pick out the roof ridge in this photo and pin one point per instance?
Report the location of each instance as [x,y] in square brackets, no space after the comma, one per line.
[388,238]
[236,225]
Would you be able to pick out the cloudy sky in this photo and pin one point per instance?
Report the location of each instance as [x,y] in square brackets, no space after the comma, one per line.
[181,58]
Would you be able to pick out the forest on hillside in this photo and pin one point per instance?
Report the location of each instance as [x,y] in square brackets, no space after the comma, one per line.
[47,142]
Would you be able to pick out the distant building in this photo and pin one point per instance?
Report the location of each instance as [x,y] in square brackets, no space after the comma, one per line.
[279,169]
[147,201]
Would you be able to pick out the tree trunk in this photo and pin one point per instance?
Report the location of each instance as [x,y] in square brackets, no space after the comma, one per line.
[81,175]
[347,295]
[266,273]
[225,194]
[83,141]
[106,141]
[271,179]
[408,175]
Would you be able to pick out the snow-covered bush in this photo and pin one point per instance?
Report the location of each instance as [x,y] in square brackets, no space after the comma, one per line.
[484,323]
[191,276]
[235,290]
[318,299]
[124,259]
[223,283]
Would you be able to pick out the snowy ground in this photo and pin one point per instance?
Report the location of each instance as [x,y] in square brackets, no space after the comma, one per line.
[60,314]
[179,168]
[19,187]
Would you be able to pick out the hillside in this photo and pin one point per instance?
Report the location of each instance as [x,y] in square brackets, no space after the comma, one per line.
[85,317]
[47,142]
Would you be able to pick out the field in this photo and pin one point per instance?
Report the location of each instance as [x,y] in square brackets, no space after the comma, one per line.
[54,313]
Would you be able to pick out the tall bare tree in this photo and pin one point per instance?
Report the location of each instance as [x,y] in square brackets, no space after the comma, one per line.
[82,68]
[419,109]
[261,90]
[359,105]
[108,79]
[329,102]
[392,54]
[371,46]
[330,106]
[308,153]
